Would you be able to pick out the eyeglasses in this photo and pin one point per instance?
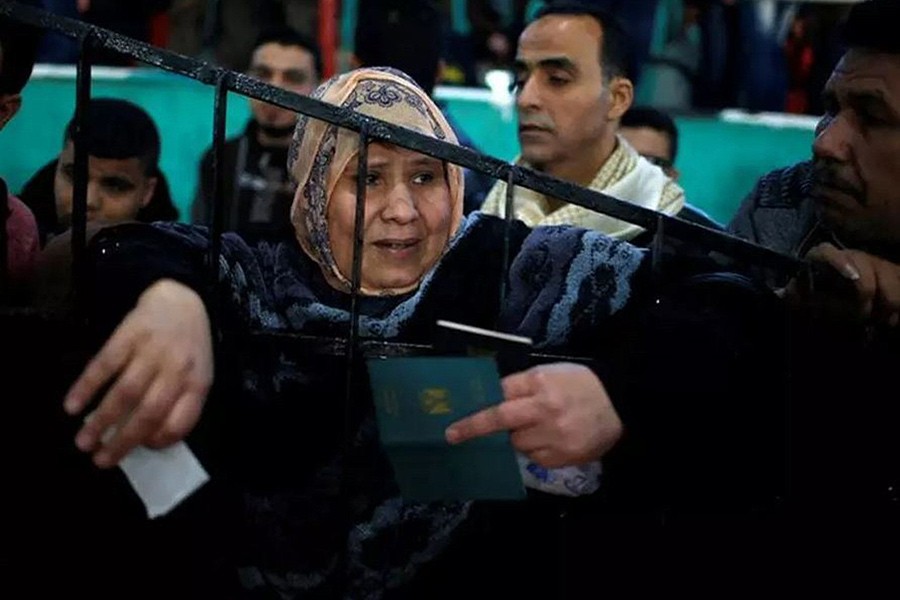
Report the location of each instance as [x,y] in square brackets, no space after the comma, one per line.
[659,161]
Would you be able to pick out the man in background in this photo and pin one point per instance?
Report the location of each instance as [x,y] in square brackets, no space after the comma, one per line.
[654,135]
[841,212]
[258,190]
[571,91]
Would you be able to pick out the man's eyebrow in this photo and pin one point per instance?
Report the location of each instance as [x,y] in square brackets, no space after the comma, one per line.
[871,101]
[551,62]
[117,179]
[558,62]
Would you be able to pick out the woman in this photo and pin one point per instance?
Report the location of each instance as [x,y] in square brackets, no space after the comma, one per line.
[315,511]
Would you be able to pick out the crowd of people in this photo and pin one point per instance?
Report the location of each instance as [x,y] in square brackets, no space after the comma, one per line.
[721,416]
[770,55]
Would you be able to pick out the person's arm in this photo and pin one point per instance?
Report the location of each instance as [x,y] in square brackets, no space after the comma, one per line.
[154,366]
[156,370]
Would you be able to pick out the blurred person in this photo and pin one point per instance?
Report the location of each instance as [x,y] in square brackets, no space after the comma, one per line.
[18,50]
[124,179]
[258,190]
[132,19]
[226,31]
[654,135]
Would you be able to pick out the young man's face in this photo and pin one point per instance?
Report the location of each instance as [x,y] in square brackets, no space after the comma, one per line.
[117,188]
[289,67]
[857,149]
[652,144]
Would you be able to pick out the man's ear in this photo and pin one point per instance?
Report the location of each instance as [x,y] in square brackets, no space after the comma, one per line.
[621,97]
[9,106]
[148,193]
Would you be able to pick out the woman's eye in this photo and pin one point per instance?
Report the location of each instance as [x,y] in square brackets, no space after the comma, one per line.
[423,178]
[371,178]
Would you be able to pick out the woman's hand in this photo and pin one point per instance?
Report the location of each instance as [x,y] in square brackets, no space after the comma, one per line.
[158,365]
[558,415]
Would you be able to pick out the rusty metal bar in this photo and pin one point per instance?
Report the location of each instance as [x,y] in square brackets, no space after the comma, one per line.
[217,218]
[362,175]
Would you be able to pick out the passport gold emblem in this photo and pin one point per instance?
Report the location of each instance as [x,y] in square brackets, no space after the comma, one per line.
[436,401]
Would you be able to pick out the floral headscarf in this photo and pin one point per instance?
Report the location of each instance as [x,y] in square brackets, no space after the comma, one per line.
[320,152]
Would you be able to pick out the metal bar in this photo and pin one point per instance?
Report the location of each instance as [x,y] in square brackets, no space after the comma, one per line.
[362,175]
[372,348]
[659,241]
[381,130]
[80,139]
[217,219]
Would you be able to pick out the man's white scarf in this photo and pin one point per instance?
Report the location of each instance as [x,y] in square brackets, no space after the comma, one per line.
[625,175]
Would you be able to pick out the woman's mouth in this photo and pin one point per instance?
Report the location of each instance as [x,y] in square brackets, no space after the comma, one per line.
[397,247]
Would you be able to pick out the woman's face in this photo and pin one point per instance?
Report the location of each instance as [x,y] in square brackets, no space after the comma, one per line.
[407,219]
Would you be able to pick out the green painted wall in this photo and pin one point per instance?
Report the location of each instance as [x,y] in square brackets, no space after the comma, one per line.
[719,159]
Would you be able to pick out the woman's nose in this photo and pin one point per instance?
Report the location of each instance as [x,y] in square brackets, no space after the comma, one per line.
[401,205]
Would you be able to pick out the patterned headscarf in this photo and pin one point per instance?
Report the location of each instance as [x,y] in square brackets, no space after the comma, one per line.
[320,152]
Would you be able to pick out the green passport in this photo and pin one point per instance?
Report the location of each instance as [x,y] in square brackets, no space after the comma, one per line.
[415,400]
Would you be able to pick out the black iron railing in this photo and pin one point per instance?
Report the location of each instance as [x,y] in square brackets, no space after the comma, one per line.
[351,347]
[93,39]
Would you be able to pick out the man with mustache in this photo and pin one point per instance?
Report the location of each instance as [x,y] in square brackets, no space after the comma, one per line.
[571,91]
[841,210]
[843,207]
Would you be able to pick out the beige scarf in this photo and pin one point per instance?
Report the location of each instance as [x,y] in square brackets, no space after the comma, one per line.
[320,152]
[625,175]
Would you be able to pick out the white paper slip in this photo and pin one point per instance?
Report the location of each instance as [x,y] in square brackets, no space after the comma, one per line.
[163,478]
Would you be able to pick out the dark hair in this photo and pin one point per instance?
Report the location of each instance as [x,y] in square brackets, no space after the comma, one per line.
[119,129]
[646,116]
[19,43]
[614,51]
[872,25]
[405,37]
[285,36]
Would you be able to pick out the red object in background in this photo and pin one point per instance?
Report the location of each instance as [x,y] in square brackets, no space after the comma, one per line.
[328,36]
[800,59]
[159,30]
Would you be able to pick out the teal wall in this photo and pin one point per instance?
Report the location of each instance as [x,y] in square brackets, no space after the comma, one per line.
[181,108]
[719,159]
